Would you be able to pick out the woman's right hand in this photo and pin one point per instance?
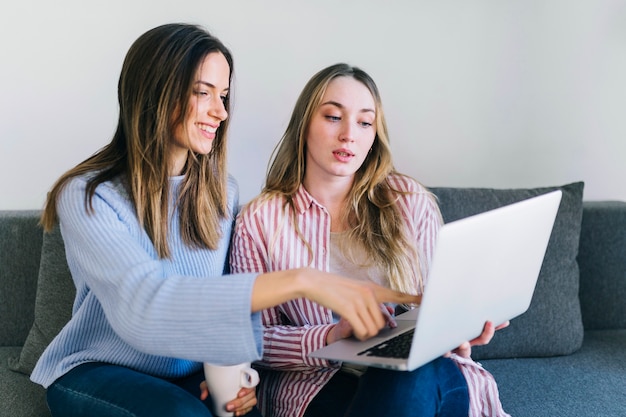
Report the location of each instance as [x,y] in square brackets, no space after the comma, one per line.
[342,329]
[356,301]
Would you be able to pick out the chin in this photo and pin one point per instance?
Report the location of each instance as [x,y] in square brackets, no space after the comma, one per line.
[203,150]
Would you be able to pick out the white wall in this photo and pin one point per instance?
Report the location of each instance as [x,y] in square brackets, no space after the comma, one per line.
[496,93]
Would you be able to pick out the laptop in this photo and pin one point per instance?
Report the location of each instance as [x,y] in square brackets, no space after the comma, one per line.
[484,268]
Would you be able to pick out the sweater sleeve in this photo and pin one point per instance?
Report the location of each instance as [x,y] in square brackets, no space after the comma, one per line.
[172,307]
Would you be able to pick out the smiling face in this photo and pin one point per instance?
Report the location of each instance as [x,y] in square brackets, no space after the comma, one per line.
[206,111]
[341,132]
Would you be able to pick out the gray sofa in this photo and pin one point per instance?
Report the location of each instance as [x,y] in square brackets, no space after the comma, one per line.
[566,356]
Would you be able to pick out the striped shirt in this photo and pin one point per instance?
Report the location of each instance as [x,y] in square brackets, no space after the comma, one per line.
[266,240]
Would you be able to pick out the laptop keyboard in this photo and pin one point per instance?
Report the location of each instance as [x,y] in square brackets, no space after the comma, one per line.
[396,347]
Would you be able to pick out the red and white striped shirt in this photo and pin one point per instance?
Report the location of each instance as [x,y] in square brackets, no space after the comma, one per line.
[266,240]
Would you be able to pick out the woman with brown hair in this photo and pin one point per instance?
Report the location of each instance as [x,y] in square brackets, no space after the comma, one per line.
[147,223]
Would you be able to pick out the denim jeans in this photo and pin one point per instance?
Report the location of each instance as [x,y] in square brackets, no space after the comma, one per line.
[435,389]
[103,390]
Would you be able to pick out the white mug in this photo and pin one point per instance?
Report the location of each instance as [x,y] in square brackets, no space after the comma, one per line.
[225,381]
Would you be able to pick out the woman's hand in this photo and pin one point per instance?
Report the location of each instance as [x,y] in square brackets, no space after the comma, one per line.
[342,329]
[465,350]
[242,405]
[358,302]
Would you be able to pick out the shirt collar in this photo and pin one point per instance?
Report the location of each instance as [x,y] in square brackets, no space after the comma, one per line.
[303,201]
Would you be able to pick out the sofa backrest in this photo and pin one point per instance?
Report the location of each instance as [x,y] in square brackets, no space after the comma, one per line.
[602,263]
[601,258]
[552,325]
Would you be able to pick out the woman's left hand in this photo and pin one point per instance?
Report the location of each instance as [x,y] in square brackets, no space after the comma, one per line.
[465,350]
[242,405]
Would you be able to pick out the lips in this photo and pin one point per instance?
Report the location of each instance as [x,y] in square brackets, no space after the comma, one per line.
[343,153]
[207,128]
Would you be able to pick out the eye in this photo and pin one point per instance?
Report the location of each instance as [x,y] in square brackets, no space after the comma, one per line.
[201,94]
[224,99]
[332,118]
[365,124]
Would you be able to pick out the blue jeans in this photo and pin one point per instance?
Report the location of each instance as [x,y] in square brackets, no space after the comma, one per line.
[435,389]
[103,390]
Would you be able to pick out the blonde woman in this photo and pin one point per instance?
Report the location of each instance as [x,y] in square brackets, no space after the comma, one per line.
[333,201]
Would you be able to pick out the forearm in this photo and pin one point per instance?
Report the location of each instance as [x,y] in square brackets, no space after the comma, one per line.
[287,347]
[274,288]
[357,302]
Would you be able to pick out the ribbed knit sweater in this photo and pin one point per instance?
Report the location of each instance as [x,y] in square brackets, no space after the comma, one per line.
[159,316]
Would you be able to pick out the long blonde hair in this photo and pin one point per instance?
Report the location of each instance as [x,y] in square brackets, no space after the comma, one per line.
[371,214]
[153,93]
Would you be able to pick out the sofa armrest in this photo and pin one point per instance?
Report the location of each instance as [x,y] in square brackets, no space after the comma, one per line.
[20,252]
[602,263]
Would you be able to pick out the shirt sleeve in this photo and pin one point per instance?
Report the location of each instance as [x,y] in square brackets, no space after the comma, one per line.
[286,345]
[421,212]
[428,221]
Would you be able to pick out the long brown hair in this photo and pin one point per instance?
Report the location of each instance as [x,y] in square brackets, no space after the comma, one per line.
[371,214]
[153,93]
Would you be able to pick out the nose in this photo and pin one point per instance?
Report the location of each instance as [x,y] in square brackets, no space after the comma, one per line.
[217,109]
[346,134]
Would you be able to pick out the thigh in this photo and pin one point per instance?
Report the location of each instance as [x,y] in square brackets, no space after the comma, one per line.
[435,389]
[334,399]
[103,390]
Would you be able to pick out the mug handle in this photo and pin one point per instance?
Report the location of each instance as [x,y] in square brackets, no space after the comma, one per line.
[249,378]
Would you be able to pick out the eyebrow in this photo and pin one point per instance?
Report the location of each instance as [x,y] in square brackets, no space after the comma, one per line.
[208,84]
[341,106]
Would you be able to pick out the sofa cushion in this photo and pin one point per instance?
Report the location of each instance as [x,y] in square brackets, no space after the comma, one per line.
[588,383]
[53,302]
[19,396]
[553,324]
[20,251]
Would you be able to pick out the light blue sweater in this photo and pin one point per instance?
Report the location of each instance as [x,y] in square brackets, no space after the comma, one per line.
[159,316]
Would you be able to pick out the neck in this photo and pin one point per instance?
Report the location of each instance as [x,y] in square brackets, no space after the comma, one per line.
[328,193]
[332,195]
[178,162]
